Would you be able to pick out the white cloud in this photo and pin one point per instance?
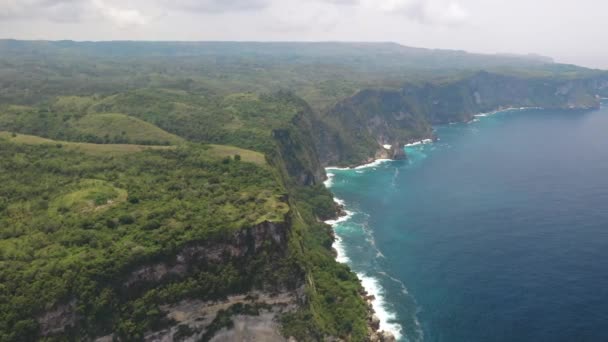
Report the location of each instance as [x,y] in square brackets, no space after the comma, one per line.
[217,5]
[55,10]
[119,16]
[137,12]
[443,12]
[71,11]
[291,16]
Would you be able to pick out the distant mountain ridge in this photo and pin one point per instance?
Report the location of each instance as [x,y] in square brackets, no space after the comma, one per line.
[381,51]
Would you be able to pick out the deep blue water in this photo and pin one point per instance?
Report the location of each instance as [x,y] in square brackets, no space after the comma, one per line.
[497,232]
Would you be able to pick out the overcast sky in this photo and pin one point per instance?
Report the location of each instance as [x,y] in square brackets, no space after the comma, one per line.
[569,31]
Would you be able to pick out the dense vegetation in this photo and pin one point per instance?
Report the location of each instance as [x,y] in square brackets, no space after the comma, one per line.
[72,225]
[117,157]
[91,221]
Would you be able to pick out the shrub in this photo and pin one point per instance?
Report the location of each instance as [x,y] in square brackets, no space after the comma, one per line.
[126,219]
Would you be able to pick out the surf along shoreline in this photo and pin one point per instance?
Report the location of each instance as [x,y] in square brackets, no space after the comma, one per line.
[379,320]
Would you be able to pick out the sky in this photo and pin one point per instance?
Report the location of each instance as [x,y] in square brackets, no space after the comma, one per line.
[569,31]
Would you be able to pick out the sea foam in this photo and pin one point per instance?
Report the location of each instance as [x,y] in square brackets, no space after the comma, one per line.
[420,142]
[329,181]
[370,284]
[373,287]
[511,109]
[375,163]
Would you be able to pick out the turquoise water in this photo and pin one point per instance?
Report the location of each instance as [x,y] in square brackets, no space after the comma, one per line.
[497,232]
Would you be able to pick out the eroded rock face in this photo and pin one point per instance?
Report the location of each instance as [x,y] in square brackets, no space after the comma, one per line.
[59,319]
[193,317]
[269,237]
[242,243]
[263,327]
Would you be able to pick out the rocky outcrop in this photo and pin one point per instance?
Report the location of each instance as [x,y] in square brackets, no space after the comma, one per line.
[296,151]
[241,244]
[59,319]
[193,319]
[373,322]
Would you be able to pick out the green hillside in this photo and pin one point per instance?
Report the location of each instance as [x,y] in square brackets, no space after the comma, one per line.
[122,128]
[145,185]
[98,216]
[71,228]
[88,148]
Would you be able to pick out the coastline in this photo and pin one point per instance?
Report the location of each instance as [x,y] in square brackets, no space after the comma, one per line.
[508,109]
[379,319]
[380,327]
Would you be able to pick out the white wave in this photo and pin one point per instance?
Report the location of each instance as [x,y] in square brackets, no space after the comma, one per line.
[339,201]
[387,146]
[338,245]
[329,181]
[335,168]
[340,219]
[370,284]
[420,142]
[375,163]
[373,287]
[510,109]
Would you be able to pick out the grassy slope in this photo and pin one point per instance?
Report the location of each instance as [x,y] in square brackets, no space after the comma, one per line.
[213,151]
[223,151]
[125,127]
[96,149]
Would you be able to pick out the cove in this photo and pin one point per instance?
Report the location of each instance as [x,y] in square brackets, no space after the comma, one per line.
[496,232]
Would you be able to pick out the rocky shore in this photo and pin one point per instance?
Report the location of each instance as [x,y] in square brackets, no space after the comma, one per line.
[373,322]
[374,332]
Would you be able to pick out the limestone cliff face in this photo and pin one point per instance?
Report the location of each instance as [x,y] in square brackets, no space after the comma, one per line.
[265,243]
[361,128]
[355,129]
[265,237]
[296,150]
[484,92]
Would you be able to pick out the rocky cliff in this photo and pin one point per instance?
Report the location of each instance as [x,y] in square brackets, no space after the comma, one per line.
[238,271]
[296,152]
[362,127]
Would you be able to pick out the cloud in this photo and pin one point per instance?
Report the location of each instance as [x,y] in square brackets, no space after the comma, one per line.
[289,16]
[216,6]
[341,2]
[443,12]
[122,17]
[55,10]
[71,11]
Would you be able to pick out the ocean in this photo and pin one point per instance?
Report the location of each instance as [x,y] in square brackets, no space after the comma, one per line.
[496,232]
